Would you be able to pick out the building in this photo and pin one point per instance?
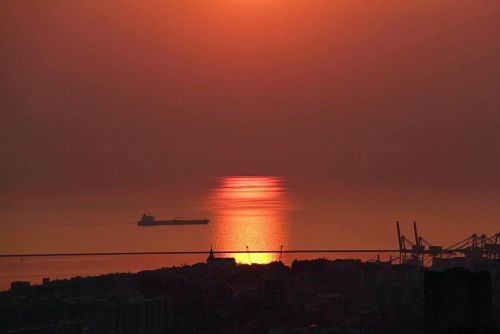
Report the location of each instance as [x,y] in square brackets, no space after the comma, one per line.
[457,299]
[138,315]
[220,262]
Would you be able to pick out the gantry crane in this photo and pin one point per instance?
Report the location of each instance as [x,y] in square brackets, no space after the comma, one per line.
[423,252]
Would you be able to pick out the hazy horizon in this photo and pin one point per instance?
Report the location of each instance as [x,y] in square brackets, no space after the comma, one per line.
[386,94]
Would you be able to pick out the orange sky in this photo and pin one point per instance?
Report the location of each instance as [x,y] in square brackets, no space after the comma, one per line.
[372,93]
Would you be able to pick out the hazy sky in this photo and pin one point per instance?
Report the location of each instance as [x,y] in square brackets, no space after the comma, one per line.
[382,93]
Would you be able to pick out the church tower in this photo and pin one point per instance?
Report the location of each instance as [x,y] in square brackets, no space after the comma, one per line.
[211,255]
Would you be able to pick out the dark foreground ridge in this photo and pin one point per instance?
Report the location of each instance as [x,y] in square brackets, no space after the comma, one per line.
[315,296]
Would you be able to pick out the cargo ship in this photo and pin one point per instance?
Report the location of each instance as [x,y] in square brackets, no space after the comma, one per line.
[149,220]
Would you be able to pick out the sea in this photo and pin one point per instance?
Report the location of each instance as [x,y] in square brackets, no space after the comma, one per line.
[247,213]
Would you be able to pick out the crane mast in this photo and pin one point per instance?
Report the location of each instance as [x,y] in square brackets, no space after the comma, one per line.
[472,249]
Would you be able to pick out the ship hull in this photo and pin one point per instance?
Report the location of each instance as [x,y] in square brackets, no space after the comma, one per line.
[174,222]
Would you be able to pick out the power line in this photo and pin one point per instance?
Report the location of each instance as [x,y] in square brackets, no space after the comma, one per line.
[205,252]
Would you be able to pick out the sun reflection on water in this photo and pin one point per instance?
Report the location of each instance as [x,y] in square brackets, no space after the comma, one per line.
[250,211]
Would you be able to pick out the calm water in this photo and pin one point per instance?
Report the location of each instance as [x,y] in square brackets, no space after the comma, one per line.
[258,212]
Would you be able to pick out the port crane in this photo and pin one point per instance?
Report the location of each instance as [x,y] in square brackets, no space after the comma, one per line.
[422,252]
